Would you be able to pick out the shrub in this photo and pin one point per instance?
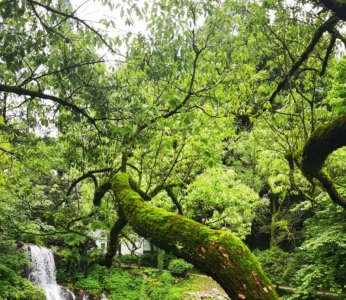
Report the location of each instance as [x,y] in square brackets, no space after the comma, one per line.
[88,284]
[166,278]
[161,288]
[167,259]
[275,263]
[129,259]
[179,266]
[122,285]
[149,260]
[160,259]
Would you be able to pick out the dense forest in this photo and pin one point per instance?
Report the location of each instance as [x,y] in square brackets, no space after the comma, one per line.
[213,129]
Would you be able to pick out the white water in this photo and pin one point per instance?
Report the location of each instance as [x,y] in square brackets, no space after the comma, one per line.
[43,273]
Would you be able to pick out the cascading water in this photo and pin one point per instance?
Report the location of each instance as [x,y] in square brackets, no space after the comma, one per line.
[43,273]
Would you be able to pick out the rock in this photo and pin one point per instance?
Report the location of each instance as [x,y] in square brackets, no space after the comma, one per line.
[214,293]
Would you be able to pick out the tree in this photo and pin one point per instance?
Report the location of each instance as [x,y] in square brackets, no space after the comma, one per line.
[166,113]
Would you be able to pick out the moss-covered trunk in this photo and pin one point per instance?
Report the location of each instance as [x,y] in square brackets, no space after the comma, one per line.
[219,254]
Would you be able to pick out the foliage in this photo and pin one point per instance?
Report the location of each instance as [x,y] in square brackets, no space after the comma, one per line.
[217,198]
[275,263]
[12,262]
[122,285]
[203,110]
[179,266]
[322,254]
[149,260]
[129,259]
[88,285]
[161,288]
[160,259]
[94,281]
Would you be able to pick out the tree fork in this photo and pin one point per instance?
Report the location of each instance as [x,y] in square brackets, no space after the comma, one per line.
[219,254]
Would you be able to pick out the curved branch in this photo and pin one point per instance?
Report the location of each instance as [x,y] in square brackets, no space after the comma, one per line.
[323,141]
[323,177]
[20,91]
[326,26]
[100,192]
[87,175]
[114,240]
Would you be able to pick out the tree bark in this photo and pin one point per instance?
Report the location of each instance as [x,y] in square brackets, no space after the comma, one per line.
[219,254]
[337,7]
[324,140]
[114,241]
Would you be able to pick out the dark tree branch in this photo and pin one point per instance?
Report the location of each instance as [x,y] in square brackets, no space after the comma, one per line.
[114,240]
[89,174]
[328,52]
[323,177]
[20,91]
[61,70]
[326,26]
[322,142]
[336,7]
[100,192]
[171,194]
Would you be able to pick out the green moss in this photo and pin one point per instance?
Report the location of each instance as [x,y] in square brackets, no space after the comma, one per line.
[219,254]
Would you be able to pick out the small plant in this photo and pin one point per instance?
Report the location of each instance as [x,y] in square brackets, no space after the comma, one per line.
[179,267]
[89,284]
[160,259]
[129,259]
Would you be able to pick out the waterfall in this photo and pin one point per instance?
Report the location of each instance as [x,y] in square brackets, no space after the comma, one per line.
[42,274]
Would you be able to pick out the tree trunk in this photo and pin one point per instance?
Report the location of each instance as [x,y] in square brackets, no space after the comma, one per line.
[219,254]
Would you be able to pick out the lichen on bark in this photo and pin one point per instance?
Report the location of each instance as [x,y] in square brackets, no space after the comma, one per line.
[219,254]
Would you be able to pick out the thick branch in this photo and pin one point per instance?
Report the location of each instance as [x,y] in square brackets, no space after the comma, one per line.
[323,177]
[100,192]
[89,174]
[323,141]
[336,7]
[114,240]
[219,254]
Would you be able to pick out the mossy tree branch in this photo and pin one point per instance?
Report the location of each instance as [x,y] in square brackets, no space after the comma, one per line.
[323,141]
[219,254]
